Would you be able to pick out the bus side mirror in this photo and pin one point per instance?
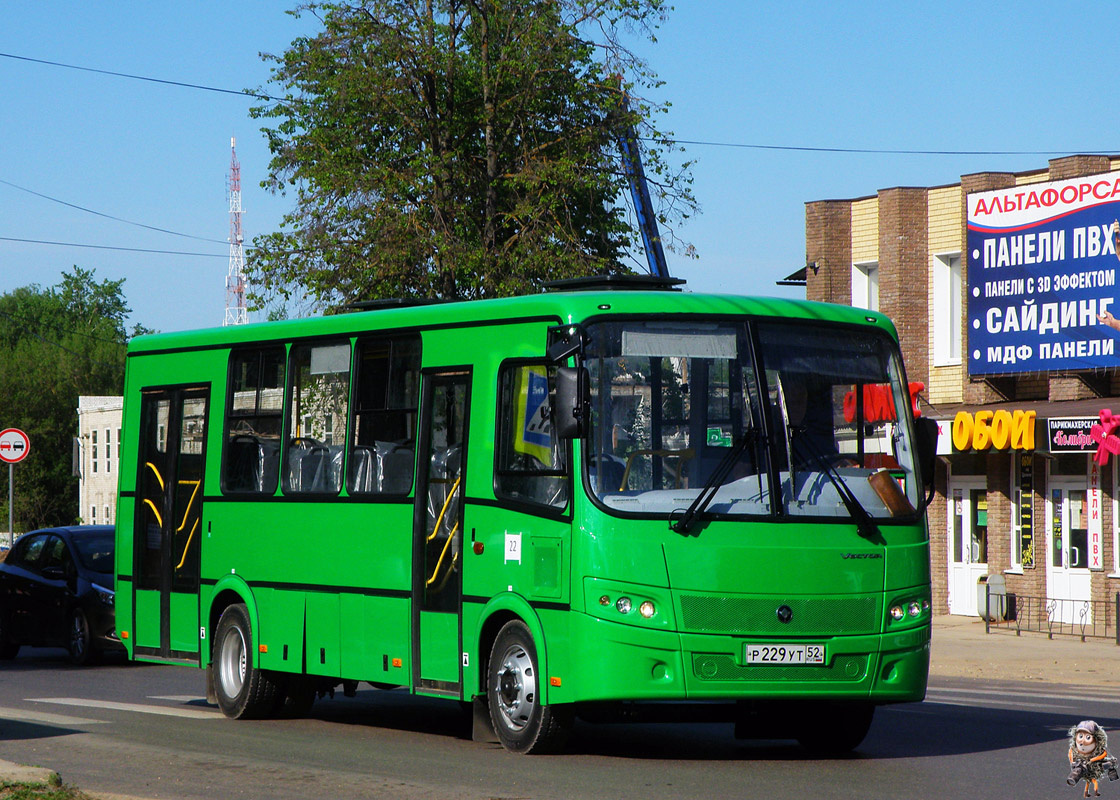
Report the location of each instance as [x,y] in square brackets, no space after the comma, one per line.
[925,429]
[571,412]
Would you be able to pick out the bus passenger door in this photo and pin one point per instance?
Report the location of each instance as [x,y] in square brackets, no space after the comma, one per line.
[168,521]
[438,533]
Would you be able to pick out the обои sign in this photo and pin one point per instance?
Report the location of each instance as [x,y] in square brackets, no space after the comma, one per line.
[1041,269]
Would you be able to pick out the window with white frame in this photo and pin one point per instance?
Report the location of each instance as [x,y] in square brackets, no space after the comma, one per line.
[108,454]
[948,314]
[865,286]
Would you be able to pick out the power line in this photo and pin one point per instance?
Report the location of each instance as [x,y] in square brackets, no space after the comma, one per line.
[878,151]
[108,216]
[109,247]
[256,95]
[668,140]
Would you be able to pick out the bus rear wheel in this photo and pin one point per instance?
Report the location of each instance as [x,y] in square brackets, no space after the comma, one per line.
[513,683]
[244,692]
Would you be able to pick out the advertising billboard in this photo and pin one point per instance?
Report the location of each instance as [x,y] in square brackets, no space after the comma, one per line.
[1042,267]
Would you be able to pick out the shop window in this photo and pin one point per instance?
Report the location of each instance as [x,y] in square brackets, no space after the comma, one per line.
[1022,511]
[947,311]
[1075,465]
[865,286]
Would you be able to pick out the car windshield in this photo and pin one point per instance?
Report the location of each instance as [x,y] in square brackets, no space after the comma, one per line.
[95,551]
[671,400]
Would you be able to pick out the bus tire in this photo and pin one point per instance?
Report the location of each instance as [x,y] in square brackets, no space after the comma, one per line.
[513,682]
[836,728]
[244,692]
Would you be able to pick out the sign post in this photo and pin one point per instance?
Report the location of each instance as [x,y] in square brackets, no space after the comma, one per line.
[14,447]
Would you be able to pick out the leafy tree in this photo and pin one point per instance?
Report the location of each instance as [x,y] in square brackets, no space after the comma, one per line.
[55,344]
[457,148]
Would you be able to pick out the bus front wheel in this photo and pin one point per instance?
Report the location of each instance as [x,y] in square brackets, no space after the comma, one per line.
[244,692]
[521,721]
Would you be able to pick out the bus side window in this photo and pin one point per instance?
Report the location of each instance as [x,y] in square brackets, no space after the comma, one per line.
[254,416]
[383,427]
[530,460]
[317,414]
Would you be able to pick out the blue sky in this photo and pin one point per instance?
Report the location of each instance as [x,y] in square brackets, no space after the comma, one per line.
[1015,78]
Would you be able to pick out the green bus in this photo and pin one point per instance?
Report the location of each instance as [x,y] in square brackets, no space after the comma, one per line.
[611,500]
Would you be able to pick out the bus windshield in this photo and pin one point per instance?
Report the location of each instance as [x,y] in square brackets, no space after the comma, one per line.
[681,408]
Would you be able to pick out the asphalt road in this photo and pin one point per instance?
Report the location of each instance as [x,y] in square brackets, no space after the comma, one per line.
[145,730]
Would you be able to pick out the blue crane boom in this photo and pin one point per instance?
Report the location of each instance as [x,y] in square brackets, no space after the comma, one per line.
[639,190]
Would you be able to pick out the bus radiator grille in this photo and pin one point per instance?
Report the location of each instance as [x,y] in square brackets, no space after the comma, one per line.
[723,667]
[758,615]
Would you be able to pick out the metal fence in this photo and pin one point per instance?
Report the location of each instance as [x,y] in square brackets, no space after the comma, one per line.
[1053,616]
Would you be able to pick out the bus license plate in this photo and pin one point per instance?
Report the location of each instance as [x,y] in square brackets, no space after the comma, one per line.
[785,654]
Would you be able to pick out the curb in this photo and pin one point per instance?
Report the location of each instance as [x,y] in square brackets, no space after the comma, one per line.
[17,773]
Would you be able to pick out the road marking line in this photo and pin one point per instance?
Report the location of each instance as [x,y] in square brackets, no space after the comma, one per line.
[961,701]
[27,715]
[189,713]
[1005,693]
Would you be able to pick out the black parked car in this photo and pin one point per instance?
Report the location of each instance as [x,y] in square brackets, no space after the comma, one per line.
[56,589]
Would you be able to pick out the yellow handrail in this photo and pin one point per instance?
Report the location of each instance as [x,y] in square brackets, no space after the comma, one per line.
[442,554]
[159,517]
[187,547]
[187,511]
[442,511]
[159,477]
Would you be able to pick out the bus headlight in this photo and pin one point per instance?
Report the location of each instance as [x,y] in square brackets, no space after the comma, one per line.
[623,604]
[646,609]
[897,613]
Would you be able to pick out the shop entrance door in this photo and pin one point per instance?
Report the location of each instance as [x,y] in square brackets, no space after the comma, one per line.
[968,542]
[1068,582]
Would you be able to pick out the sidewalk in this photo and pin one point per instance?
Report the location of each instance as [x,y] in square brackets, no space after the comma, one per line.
[961,649]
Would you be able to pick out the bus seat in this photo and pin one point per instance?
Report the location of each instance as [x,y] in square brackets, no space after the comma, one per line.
[394,468]
[363,475]
[307,466]
[245,465]
[332,475]
[607,473]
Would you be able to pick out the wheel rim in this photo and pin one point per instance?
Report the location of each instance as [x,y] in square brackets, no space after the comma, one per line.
[78,636]
[516,687]
[232,666]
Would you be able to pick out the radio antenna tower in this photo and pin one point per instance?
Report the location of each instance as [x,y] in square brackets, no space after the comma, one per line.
[236,313]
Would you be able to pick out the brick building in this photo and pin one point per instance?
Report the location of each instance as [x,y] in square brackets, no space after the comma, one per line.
[997,285]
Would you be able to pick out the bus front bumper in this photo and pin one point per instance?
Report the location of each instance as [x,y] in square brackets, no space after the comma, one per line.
[624,662]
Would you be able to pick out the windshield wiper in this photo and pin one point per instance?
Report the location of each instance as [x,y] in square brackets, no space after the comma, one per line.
[707,494]
[865,523]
